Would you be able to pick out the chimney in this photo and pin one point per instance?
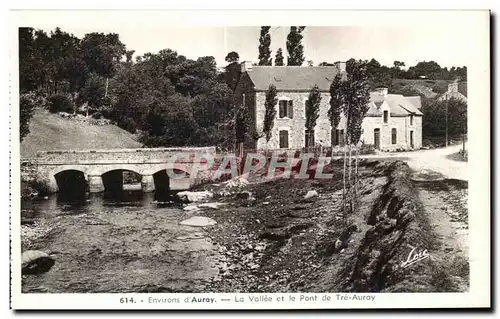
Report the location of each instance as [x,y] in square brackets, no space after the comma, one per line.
[340,66]
[453,87]
[246,66]
[382,91]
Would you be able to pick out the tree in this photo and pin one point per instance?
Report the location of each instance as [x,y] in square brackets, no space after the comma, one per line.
[294,46]
[270,105]
[279,59]
[242,125]
[357,106]
[102,52]
[232,57]
[312,113]
[264,46]
[350,97]
[233,70]
[27,105]
[337,101]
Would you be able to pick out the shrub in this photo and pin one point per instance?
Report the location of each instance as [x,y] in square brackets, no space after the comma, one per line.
[42,188]
[27,104]
[97,115]
[60,103]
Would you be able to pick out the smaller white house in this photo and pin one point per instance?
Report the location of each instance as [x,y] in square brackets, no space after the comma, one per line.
[393,122]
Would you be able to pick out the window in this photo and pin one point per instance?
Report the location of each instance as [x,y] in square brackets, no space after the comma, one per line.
[394,136]
[285,109]
[341,132]
[386,116]
[411,119]
[283,139]
[310,138]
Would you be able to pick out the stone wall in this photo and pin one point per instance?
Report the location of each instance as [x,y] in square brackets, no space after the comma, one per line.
[296,125]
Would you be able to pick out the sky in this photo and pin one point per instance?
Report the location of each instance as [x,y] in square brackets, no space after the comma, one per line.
[444,45]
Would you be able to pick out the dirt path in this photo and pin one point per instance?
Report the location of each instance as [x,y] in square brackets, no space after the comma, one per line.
[445,202]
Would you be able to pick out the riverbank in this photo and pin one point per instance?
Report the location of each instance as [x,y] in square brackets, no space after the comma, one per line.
[267,238]
[279,242]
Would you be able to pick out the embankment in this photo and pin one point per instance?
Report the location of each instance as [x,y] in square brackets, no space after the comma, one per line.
[399,225]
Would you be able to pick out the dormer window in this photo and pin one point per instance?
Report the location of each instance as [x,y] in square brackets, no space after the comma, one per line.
[386,116]
[285,109]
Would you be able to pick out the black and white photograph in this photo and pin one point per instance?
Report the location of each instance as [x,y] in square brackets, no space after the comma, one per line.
[165,164]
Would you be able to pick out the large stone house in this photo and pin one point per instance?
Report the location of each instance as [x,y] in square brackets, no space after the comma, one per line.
[393,122]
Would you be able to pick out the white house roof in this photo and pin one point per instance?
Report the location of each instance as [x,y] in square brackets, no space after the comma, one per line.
[399,105]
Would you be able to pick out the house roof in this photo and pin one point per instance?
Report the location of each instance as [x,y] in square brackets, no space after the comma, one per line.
[292,78]
[399,105]
[415,100]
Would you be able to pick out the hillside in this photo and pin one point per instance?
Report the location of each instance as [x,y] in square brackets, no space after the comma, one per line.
[53,132]
[428,88]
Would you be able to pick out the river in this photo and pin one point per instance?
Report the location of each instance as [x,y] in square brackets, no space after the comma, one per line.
[119,244]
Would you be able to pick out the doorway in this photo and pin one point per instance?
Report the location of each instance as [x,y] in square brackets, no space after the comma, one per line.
[376,138]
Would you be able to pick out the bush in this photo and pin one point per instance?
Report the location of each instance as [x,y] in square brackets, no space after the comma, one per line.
[60,103]
[27,104]
[41,187]
[97,115]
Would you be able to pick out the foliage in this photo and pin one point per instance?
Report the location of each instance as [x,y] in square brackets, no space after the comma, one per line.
[60,103]
[242,124]
[357,96]
[434,119]
[312,108]
[336,101]
[294,46]
[232,57]
[279,59]
[312,112]
[28,102]
[270,106]
[264,46]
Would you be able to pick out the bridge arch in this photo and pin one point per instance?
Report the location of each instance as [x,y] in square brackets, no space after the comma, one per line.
[117,179]
[71,183]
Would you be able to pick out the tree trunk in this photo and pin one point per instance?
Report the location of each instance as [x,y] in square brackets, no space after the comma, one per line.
[106,91]
[344,186]
[350,166]
[356,171]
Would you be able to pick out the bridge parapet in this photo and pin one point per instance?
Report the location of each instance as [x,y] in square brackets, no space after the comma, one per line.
[122,156]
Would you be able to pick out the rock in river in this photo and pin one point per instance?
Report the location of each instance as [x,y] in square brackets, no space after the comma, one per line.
[311,194]
[198,221]
[194,196]
[36,262]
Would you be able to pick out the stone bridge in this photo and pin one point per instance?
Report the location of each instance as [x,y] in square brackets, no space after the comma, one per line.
[103,169]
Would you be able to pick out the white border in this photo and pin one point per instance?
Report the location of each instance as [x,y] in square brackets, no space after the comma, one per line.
[478,97]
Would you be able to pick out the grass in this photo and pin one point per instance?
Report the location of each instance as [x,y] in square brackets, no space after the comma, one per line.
[52,132]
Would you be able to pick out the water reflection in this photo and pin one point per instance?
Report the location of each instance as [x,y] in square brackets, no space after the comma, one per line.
[116,201]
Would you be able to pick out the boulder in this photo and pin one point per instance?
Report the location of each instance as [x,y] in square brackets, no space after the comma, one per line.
[191,208]
[194,196]
[211,205]
[198,221]
[311,194]
[36,262]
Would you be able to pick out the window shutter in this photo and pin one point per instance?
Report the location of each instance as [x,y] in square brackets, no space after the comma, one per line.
[290,109]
